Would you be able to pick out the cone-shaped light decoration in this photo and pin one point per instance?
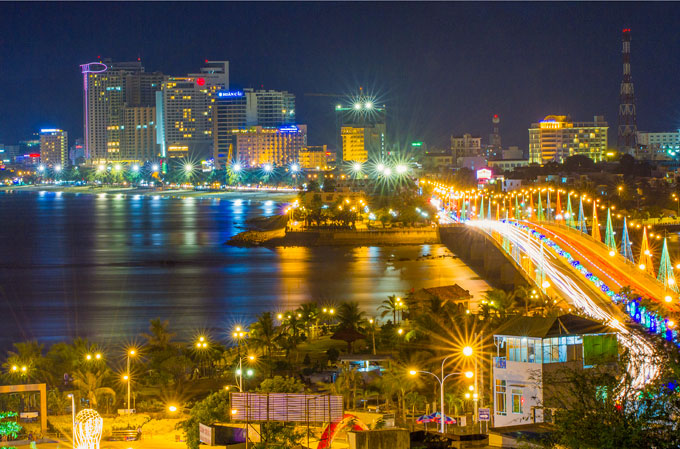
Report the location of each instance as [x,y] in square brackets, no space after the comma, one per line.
[596,224]
[488,212]
[548,211]
[530,211]
[609,236]
[481,210]
[463,211]
[666,270]
[570,214]
[626,250]
[517,215]
[645,255]
[498,210]
[558,209]
[581,218]
[539,213]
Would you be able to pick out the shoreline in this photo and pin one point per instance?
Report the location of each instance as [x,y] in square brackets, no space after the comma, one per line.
[252,194]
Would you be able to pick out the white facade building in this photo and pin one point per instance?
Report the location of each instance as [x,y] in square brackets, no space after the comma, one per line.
[528,349]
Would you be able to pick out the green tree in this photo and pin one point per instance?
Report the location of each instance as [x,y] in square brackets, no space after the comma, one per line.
[214,408]
[91,386]
[389,306]
[263,333]
[280,384]
[350,316]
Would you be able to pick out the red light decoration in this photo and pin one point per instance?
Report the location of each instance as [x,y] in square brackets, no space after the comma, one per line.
[34,155]
[206,61]
[200,81]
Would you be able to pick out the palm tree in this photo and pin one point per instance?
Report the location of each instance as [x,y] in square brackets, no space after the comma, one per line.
[263,333]
[350,317]
[310,317]
[91,386]
[390,305]
[159,336]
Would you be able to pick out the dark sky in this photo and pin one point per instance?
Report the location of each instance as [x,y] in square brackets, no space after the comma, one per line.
[440,68]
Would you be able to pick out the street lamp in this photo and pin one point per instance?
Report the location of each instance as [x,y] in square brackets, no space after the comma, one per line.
[239,371]
[73,416]
[441,380]
[127,377]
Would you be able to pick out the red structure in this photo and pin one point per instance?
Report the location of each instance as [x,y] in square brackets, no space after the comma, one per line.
[334,428]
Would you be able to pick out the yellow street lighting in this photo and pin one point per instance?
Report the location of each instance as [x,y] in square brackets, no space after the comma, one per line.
[23,369]
[413,372]
[15,368]
[467,351]
[467,395]
[400,331]
[251,358]
[172,409]
[98,356]
[668,298]
[88,357]
[469,374]
[132,352]
[471,388]
[234,411]
[126,377]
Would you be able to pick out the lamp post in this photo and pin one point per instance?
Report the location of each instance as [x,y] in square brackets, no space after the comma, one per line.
[73,416]
[441,380]
[130,353]
[239,372]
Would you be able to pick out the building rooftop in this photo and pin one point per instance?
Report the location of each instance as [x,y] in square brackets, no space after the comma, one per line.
[546,327]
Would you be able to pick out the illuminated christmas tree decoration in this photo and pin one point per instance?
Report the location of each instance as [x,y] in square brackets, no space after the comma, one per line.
[609,239]
[666,270]
[596,224]
[645,255]
[581,218]
[626,249]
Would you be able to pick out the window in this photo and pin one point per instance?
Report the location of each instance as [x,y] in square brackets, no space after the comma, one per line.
[500,397]
[517,400]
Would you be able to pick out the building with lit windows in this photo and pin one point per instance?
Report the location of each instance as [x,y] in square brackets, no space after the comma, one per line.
[557,137]
[658,146]
[54,147]
[244,110]
[184,111]
[465,146]
[531,349]
[108,89]
[316,158]
[257,145]
[363,130]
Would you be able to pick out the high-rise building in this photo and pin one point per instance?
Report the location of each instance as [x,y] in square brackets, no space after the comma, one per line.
[76,153]
[466,146]
[363,130]
[54,147]
[184,111]
[627,135]
[257,145]
[557,137]
[109,89]
[658,146]
[244,110]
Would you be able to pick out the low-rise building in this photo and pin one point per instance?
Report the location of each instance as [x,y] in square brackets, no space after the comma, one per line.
[316,158]
[529,349]
[508,164]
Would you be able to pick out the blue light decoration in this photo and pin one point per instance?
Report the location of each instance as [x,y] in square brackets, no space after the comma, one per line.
[626,250]
[289,129]
[651,321]
[581,217]
[230,93]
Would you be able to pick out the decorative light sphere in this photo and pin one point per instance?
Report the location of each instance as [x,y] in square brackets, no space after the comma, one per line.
[87,431]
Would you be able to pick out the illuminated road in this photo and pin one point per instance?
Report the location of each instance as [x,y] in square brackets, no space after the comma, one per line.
[573,287]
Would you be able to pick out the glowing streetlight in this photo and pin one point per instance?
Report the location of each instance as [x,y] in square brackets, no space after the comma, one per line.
[368,105]
[467,351]
[57,168]
[401,169]
[135,168]
[188,167]
[155,168]
[236,167]
[127,377]
[668,298]
[268,168]
[41,168]
[356,167]
[380,167]
[172,408]
[357,106]
[117,167]
[294,168]
[387,172]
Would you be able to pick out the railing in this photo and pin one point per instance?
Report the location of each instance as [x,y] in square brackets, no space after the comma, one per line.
[499,362]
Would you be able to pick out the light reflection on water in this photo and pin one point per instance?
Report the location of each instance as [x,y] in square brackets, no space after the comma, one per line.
[101,266]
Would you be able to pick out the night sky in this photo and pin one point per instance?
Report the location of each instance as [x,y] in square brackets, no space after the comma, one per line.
[440,68]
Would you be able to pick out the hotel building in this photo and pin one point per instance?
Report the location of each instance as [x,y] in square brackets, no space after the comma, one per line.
[557,137]
[54,147]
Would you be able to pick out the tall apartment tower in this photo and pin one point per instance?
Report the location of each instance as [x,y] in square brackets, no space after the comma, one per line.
[119,105]
[363,130]
[627,135]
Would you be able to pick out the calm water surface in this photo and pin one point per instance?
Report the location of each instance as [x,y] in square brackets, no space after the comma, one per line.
[101,266]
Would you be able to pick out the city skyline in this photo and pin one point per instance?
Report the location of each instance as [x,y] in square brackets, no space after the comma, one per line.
[428,98]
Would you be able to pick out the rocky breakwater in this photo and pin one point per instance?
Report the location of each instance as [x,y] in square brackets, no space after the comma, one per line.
[262,231]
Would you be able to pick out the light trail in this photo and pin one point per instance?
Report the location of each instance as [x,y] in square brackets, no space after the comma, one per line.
[642,366]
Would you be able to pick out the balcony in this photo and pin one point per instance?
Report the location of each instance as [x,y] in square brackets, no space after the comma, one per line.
[499,362]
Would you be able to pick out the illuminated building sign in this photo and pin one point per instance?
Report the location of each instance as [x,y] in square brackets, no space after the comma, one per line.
[34,155]
[50,131]
[416,144]
[231,93]
[484,174]
[200,81]
[550,125]
[289,129]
